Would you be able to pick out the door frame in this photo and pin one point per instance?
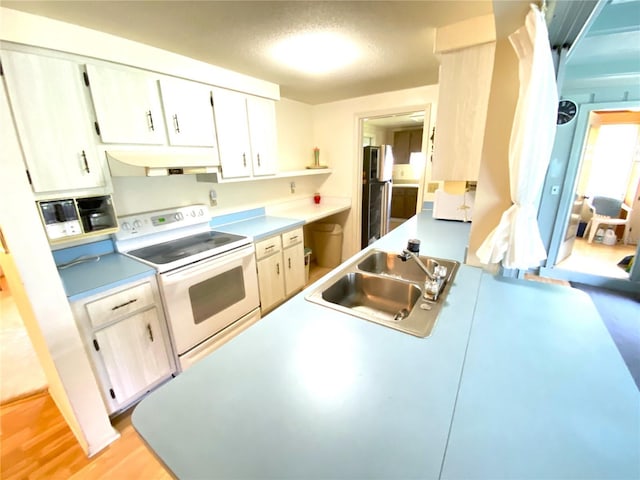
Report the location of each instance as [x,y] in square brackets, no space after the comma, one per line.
[360,117]
[568,194]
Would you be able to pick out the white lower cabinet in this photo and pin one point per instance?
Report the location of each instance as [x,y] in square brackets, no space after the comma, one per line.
[280,263]
[126,336]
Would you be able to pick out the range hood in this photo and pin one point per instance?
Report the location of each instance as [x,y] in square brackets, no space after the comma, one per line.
[149,163]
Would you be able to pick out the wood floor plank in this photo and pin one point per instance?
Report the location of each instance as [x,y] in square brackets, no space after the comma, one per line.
[36,443]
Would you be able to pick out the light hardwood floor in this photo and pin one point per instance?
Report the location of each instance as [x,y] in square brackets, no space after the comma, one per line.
[597,258]
[36,443]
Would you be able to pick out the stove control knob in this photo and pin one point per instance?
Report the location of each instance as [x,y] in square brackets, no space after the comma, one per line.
[178,216]
[193,213]
[137,224]
[200,212]
[126,226]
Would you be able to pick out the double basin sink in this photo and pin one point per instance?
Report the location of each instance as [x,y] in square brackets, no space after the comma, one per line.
[382,288]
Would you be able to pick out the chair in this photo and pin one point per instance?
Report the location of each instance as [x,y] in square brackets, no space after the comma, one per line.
[606,212]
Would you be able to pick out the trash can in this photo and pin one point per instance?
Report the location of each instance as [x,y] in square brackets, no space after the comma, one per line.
[307,261]
[327,242]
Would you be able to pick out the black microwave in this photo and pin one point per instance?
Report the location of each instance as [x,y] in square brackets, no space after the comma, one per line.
[72,218]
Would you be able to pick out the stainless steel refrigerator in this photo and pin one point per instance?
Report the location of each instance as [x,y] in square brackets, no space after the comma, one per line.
[377,169]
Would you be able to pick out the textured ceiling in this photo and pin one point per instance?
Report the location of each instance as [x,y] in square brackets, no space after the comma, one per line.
[395,37]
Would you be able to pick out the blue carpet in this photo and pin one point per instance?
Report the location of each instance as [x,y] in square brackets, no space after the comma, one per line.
[621,314]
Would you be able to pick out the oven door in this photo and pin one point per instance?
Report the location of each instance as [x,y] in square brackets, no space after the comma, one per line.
[203,298]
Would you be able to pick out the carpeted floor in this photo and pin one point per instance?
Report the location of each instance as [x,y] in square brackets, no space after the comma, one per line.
[621,314]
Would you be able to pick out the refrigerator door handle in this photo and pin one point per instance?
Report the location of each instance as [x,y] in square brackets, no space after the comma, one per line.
[385,207]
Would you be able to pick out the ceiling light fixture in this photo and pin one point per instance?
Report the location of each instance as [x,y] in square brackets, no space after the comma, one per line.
[315,52]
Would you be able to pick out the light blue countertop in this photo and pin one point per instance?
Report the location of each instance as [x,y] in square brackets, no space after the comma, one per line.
[100,274]
[517,380]
[261,227]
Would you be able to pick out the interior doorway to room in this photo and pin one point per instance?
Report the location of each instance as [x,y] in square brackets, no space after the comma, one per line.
[609,167]
[409,137]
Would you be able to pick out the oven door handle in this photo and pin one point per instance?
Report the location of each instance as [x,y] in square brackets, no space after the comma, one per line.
[219,262]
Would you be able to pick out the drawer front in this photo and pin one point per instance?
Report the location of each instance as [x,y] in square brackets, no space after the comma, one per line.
[119,304]
[292,237]
[268,247]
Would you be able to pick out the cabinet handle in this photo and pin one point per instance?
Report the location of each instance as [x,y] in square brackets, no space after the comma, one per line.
[295,237]
[270,247]
[244,160]
[258,159]
[150,120]
[86,164]
[176,125]
[124,304]
[289,259]
[150,331]
[278,268]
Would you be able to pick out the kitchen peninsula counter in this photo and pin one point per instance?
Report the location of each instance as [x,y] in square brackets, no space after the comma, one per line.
[518,379]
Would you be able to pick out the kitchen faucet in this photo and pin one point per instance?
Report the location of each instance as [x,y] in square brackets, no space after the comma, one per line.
[435,277]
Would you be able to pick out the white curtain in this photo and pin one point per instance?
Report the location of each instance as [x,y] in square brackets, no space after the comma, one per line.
[516,240]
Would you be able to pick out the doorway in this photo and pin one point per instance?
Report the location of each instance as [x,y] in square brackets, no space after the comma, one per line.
[405,131]
[608,165]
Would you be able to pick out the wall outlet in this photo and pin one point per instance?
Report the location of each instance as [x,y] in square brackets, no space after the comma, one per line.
[292,186]
[213,198]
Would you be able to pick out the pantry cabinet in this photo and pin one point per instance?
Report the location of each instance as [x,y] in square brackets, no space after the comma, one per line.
[51,109]
[246,134]
[188,113]
[280,263]
[127,105]
[126,337]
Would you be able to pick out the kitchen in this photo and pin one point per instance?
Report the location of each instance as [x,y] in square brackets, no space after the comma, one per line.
[336,183]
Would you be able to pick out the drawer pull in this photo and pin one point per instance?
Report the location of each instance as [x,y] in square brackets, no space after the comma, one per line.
[124,304]
[150,331]
[278,268]
[295,237]
[270,247]
[289,262]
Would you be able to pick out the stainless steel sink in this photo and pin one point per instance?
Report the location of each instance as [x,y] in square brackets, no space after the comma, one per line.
[381,288]
[381,297]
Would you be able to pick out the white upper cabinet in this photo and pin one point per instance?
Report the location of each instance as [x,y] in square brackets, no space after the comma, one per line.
[246,129]
[261,114]
[234,145]
[188,113]
[127,104]
[52,114]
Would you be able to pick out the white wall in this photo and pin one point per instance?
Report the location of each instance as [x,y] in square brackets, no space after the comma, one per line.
[337,134]
[42,302]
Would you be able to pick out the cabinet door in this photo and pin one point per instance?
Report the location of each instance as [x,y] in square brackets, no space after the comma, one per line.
[294,269]
[410,202]
[230,111]
[401,146]
[262,128]
[271,281]
[188,113]
[127,105]
[134,354]
[397,203]
[53,120]
[415,142]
